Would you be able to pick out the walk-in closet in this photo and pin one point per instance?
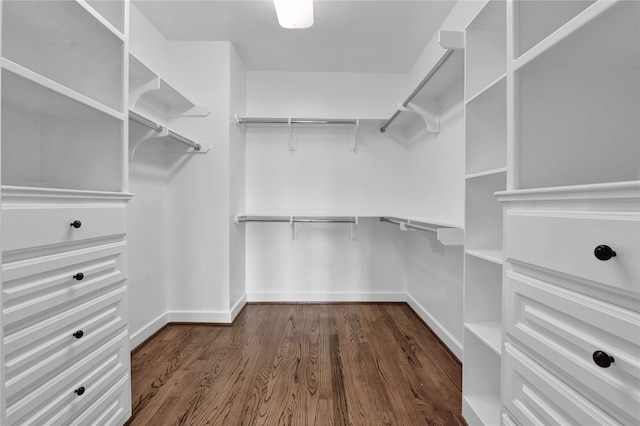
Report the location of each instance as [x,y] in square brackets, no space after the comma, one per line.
[392,212]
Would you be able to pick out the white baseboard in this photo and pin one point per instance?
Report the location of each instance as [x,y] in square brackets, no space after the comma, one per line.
[307,297]
[235,310]
[135,339]
[452,343]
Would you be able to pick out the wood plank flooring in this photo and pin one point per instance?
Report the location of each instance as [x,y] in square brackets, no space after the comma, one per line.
[307,364]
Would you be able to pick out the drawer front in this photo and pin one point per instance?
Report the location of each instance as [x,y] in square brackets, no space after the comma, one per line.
[31,354]
[565,328]
[566,244]
[58,400]
[24,228]
[534,396]
[38,288]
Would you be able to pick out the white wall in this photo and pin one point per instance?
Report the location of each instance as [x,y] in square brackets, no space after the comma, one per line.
[435,272]
[147,235]
[324,264]
[199,186]
[324,177]
[237,195]
[185,253]
[147,252]
[322,94]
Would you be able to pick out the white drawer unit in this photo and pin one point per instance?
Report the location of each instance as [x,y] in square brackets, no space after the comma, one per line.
[591,345]
[534,396]
[39,287]
[29,227]
[596,247]
[63,395]
[571,305]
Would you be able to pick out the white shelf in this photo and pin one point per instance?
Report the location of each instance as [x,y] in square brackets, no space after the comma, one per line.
[420,110]
[583,20]
[486,409]
[448,236]
[486,173]
[40,95]
[489,333]
[485,48]
[579,101]
[64,42]
[53,137]
[536,20]
[492,255]
[111,13]
[148,89]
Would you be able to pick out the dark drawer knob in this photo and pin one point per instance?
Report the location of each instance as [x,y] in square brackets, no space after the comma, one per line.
[78,334]
[603,252]
[602,359]
[76,224]
[80,390]
[79,276]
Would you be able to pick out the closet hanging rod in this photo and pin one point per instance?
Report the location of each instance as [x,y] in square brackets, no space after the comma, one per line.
[422,83]
[144,121]
[179,138]
[409,225]
[296,219]
[264,120]
[141,119]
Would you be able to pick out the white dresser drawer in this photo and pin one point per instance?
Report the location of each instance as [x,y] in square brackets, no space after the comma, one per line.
[64,395]
[38,226]
[41,287]
[565,243]
[565,329]
[32,353]
[534,396]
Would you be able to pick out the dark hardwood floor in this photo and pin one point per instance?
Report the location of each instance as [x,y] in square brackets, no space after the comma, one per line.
[307,364]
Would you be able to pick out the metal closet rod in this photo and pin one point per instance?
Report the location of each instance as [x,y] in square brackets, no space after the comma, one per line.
[263,120]
[297,219]
[408,225]
[422,83]
[141,119]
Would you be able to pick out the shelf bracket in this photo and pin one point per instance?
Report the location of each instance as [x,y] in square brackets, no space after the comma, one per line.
[294,229]
[451,39]
[432,121]
[353,227]
[292,137]
[138,92]
[355,135]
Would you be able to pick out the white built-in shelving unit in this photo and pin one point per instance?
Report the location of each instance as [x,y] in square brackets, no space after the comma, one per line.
[573,143]
[62,99]
[154,106]
[552,93]
[486,173]
[65,347]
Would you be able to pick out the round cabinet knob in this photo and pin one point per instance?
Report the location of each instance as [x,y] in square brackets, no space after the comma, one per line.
[78,334]
[602,359]
[603,252]
[79,276]
[76,224]
[80,390]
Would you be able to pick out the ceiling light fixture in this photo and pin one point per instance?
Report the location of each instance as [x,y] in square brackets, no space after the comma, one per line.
[294,14]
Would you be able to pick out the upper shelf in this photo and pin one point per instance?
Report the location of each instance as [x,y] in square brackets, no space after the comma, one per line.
[146,86]
[446,72]
[292,122]
[448,235]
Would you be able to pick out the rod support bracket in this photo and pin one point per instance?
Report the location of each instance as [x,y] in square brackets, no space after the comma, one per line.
[432,121]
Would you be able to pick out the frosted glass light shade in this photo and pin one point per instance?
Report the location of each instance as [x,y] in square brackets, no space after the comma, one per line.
[294,14]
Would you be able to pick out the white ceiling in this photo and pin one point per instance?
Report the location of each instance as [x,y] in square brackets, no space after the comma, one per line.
[347,36]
